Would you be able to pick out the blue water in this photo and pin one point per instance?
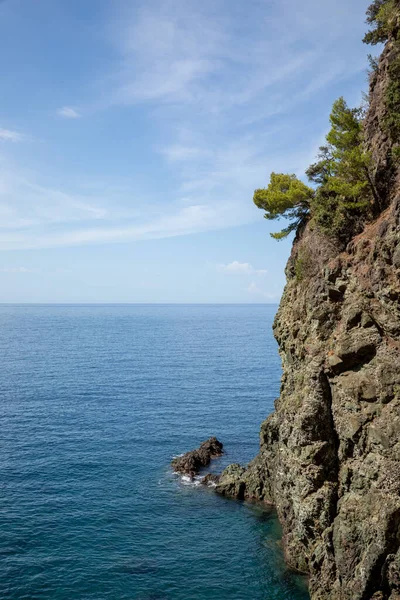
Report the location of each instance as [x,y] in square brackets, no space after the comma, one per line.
[95,400]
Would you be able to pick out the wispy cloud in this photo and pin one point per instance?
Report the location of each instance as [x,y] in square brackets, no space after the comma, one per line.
[68,112]
[34,214]
[179,153]
[215,193]
[255,290]
[17,270]
[240,268]
[10,136]
[26,203]
[191,54]
[167,51]
[184,221]
[219,88]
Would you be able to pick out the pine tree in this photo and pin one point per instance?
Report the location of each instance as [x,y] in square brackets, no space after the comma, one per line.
[384,17]
[288,197]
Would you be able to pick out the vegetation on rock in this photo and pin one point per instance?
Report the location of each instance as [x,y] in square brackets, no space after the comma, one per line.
[392,99]
[384,17]
[302,265]
[343,196]
[343,189]
[286,196]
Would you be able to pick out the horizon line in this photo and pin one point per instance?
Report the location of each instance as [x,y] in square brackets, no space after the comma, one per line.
[139,303]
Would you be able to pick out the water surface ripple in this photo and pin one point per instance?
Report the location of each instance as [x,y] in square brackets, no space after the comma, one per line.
[95,400]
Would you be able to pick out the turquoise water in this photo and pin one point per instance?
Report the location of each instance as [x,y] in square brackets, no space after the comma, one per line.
[95,400]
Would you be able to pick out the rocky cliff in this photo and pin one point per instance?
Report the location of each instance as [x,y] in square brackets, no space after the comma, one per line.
[329,457]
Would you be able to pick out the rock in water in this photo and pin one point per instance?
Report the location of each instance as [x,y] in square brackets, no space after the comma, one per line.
[191,462]
[211,480]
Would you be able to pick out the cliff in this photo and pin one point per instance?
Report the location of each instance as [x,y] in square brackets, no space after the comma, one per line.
[329,456]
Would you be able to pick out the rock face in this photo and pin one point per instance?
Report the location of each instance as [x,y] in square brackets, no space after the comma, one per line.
[387,177]
[330,453]
[191,462]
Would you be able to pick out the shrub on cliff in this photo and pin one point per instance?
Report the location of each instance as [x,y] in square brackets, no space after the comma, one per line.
[384,17]
[343,187]
[344,194]
[343,174]
[392,99]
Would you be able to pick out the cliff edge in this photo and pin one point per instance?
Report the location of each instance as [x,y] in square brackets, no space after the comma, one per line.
[329,456]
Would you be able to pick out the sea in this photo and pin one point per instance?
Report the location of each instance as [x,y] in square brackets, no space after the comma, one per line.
[95,401]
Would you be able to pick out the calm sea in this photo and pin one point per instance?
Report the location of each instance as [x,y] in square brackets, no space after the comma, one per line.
[95,401]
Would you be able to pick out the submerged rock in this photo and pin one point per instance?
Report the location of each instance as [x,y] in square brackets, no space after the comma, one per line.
[191,462]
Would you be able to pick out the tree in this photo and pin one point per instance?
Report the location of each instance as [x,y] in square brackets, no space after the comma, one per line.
[384,16]
[288,197]
[344,167]
[343,192]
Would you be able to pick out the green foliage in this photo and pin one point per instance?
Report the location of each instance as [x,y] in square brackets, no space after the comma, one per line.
[344,194]
[343,190]
[373,62]
[392,100]
[384,16]
[342,160]
[396,155]
[329,215]
[302,265]
[286,196]
[345,127]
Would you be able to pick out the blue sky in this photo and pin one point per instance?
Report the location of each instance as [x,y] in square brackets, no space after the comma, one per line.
[133,134]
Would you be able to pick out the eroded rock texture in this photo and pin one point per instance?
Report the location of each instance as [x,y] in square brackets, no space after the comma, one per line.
[191,462]
[330,453]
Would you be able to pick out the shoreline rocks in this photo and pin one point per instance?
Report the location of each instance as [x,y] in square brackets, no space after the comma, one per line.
[191,462]
[211,480]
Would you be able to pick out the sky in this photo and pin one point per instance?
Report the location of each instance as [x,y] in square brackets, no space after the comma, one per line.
[133,134]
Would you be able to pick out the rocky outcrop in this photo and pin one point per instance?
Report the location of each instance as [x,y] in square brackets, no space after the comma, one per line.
[378,139]
[210,480]
[191,462]
[330,453]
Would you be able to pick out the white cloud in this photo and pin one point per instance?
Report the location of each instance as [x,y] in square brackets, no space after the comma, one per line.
[205,84]
[10,136]
[189,220]
[68,113]
[33,214]
[166,51]
[215,193]
[190,53]
[240,268]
